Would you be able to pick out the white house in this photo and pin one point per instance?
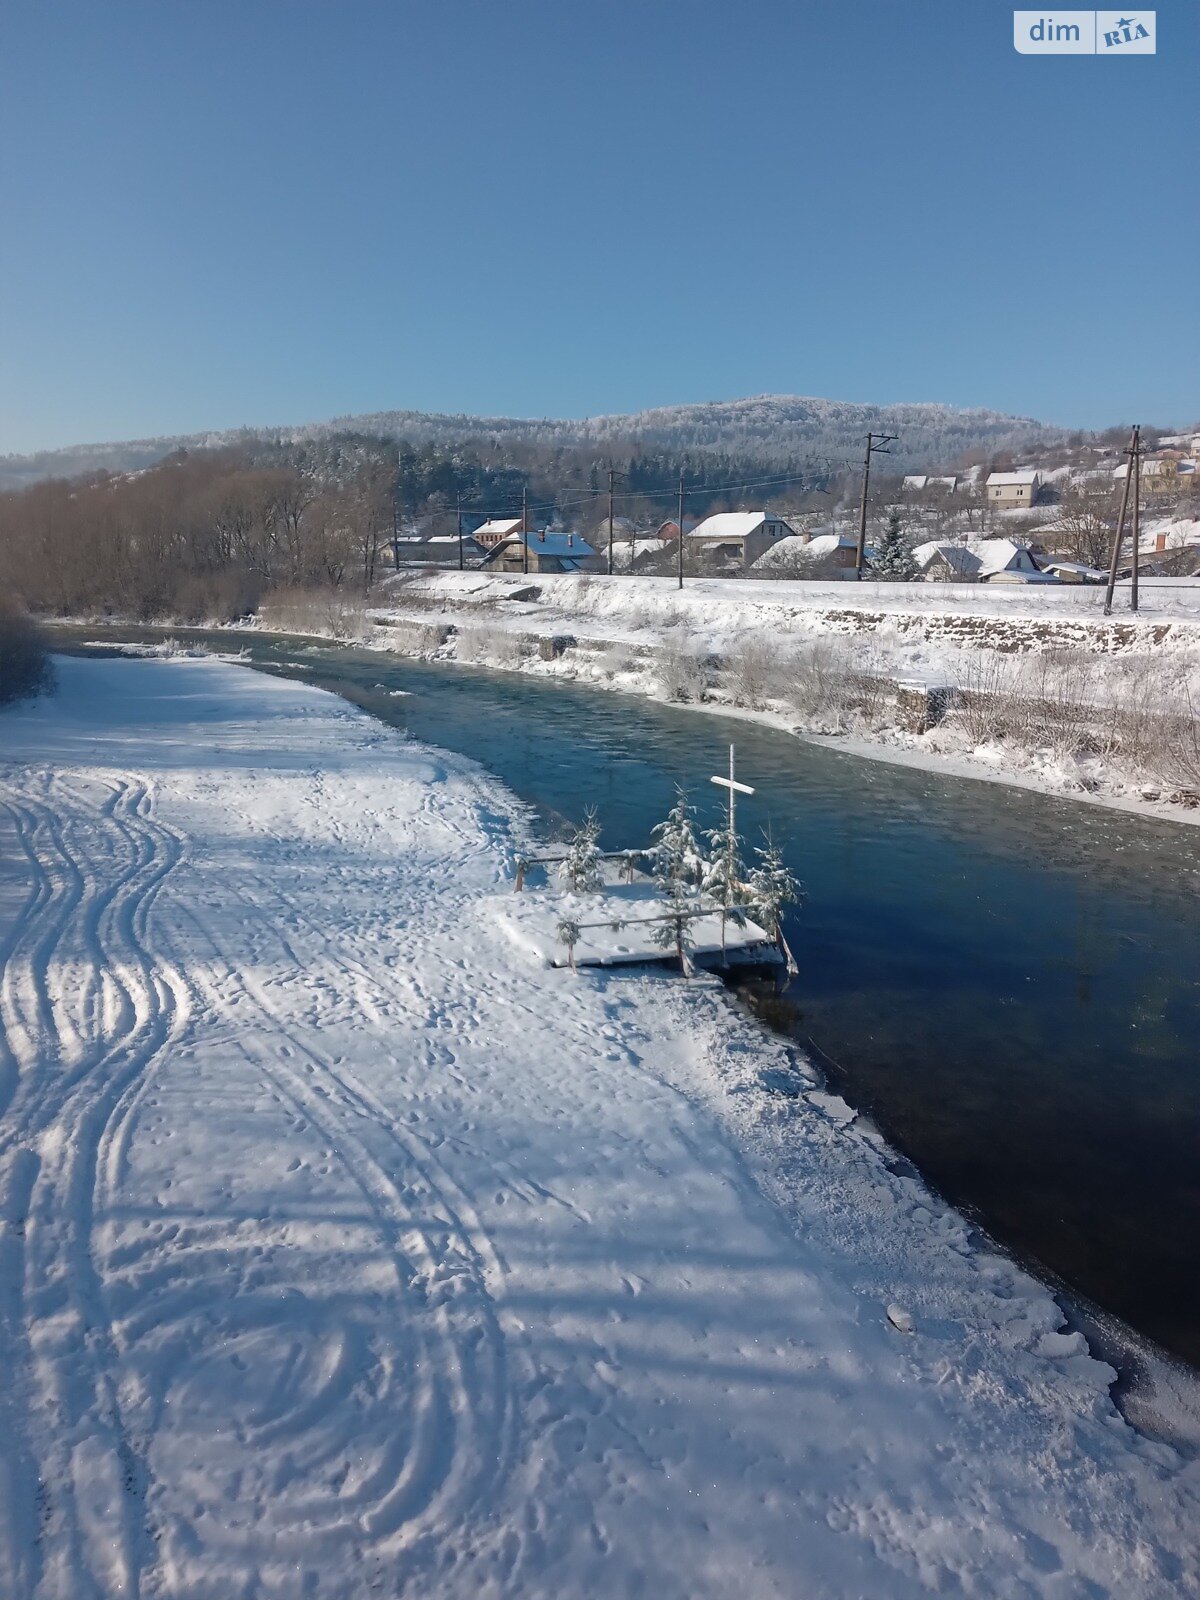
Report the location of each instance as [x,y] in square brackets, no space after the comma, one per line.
[978,561]
[1013,490]
[738,537]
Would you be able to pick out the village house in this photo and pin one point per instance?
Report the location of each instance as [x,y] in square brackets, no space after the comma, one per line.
[1009,491]
[442,550]
[548,552]
[496,529]
[915,482]
[978,561]
[825,555]
[643,555]
[1071,571]
[1160,475]
[670,528]
[738,538]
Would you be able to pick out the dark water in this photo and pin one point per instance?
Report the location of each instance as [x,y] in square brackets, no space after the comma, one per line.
[1006,983]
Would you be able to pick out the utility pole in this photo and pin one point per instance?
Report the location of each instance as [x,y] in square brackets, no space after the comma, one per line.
[681,527]
[877,444]
[1119,536]
[461,563]
[525,529]
[610,520]
[1136,516]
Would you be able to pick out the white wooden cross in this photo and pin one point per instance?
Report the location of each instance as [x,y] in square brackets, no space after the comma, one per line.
[735,788]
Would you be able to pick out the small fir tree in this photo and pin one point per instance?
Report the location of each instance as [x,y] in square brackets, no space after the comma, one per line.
[582,869]
[724,875]
[893,553]
[771,887]
[678,856]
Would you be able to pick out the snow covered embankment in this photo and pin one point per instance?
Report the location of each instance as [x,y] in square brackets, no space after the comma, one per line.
[344,1252]
[1051,694]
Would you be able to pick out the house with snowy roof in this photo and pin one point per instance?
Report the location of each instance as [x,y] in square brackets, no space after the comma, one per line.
[915,482]
[496,529]
[825,555]
[548,552]
[1160,475]
[978,561]
[738,538]
[1011,491]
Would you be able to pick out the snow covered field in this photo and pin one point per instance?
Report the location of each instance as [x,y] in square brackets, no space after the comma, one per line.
[344,1250]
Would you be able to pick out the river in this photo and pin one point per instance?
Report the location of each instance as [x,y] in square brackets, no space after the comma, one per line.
[1005,982]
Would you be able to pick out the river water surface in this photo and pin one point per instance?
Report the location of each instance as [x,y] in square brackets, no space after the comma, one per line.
[1005,982]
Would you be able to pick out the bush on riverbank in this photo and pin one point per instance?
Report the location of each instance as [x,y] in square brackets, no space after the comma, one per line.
[25,666]
[326,612]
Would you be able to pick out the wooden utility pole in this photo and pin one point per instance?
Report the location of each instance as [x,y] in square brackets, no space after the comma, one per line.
[610,520]
[1136,516]
[877,444]
[461,563]
[525,529]
[1119,536]
[681,528]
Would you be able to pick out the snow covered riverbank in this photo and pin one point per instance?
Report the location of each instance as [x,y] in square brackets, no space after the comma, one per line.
[346,1251]
[1062,700]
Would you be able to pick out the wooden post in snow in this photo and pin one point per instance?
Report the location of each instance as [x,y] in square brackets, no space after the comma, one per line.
[734,788]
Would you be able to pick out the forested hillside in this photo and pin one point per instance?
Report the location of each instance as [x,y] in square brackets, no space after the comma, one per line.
[770,431]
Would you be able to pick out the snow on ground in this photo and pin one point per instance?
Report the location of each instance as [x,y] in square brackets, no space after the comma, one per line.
[971,635]
[341,1254]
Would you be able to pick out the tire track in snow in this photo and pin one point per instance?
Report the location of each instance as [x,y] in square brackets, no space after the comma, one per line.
[436,1432]
[86,929]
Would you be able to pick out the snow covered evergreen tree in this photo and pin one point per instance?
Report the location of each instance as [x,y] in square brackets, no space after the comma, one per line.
[771,887]
[893,553]
[678,856]
[724,875]
[679,867]
[582,869]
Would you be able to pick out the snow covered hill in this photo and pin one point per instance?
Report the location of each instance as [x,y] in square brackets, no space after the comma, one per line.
[343,1252]
[777,429]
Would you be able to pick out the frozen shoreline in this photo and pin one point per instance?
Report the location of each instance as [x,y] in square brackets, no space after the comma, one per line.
[636,1262]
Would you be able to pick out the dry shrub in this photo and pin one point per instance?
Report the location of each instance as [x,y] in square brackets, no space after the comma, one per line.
[753,673]
[490,647]
[682,673]
[817,683]
[1175,756]
[326,613]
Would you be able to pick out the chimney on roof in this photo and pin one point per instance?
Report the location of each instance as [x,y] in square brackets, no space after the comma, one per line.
[570,540]
[542,535]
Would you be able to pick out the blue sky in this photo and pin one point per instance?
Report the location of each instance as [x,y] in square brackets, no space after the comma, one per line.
[218,213]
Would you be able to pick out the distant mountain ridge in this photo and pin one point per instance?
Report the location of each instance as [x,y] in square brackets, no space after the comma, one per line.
[775,429]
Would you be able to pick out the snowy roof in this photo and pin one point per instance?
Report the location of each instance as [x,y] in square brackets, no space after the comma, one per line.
[1010,480]
[501,525]
[915,480]
[732,524]
[553,544]
[976,558]
[1054,565]
[626,550]
[794,550]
